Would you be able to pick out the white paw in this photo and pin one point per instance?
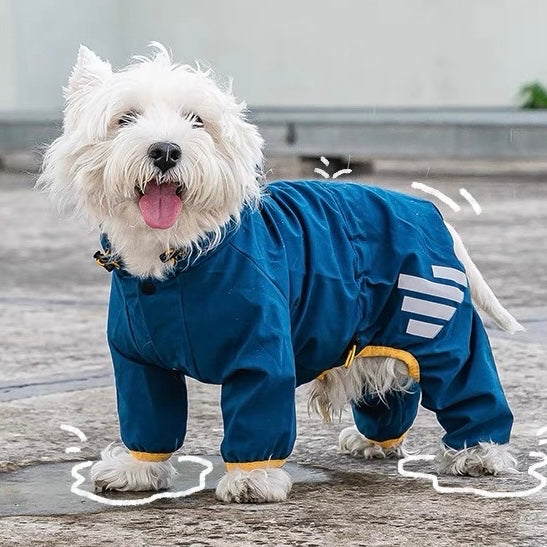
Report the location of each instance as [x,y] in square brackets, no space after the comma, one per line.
[118,470]
[484,459]
[352,442]
[257,486]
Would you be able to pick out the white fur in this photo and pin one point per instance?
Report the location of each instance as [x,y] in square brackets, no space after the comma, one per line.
[352,442]
[95,166]
[119,470]
[486,458]
[366,376]
[482,294]
[271,484]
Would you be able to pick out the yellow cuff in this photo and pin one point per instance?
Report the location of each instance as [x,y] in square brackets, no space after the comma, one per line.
[150,456]
[249,466]
[383,351]
[389,443]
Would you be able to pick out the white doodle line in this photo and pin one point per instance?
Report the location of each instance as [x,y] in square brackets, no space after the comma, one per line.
[80,479]
[75,430]
[472,201]
[326,175]
[477,491]
[321,172]
[438,194]
[449,201]
[81,435]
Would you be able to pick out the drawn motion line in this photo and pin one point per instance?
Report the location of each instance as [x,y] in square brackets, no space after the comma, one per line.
[472,201]
[438,194]
[449,201]
[326,175]
[75,430]
[80,434]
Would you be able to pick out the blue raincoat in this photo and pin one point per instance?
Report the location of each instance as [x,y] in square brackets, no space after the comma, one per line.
[318,270]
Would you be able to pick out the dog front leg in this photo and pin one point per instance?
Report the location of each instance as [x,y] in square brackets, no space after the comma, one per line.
[258,408]
[152,409]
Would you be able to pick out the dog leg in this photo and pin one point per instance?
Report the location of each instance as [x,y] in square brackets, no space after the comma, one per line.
[384,396]
[256,486]
[152,408]
[367,376]
[465,393]
[351,441]
[119,470]
[381,423]
[258,410]
[486,458]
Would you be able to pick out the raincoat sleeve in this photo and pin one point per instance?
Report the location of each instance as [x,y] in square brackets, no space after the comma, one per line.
[258,406]
[152,407]
[241,339]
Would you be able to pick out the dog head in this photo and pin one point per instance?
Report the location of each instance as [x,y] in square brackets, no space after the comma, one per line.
[155,150]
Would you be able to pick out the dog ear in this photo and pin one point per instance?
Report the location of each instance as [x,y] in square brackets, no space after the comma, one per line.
[243,135]
[89,71]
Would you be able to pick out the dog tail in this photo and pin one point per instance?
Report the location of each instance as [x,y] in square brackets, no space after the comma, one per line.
[482,294]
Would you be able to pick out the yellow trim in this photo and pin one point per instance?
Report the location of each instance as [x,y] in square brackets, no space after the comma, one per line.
[389,443]
[249,466]
[351,356]
[383,351]
[349,360]
[150,456]
[171,252]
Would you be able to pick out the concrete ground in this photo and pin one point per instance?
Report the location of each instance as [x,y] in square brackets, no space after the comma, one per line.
[54,369]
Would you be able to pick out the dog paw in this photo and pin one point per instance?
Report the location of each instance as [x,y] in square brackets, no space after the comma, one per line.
[118,470]
[484,459]
[257,486]
[352,442]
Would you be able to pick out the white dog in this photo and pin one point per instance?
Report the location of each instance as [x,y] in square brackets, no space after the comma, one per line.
[260,289]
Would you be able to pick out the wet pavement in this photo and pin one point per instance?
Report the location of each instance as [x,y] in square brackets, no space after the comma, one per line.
[54,369]
[50,489]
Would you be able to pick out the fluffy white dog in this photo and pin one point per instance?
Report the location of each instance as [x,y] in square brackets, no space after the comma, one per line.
[261,288]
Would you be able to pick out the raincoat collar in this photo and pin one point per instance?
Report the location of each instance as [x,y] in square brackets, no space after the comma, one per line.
[181,259]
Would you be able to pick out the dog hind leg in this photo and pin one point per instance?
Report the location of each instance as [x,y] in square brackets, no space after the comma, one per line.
[381,423]
[466,394]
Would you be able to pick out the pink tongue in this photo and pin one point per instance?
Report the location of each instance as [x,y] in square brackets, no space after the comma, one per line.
[160,206]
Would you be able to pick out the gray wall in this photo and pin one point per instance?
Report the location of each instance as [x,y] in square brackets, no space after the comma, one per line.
[307,52]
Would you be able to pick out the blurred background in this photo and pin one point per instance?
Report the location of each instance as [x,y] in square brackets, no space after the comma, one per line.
[349,53]
[397,80]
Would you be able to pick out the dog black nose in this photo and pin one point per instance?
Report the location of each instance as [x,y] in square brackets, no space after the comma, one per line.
[164,154]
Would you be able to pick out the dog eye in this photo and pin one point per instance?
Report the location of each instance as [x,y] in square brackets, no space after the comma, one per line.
[128,118]
[195,120]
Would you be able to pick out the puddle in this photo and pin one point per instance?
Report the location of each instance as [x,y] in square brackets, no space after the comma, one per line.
[45,489]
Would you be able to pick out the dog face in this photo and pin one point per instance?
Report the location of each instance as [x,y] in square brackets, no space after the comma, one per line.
[155,147]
